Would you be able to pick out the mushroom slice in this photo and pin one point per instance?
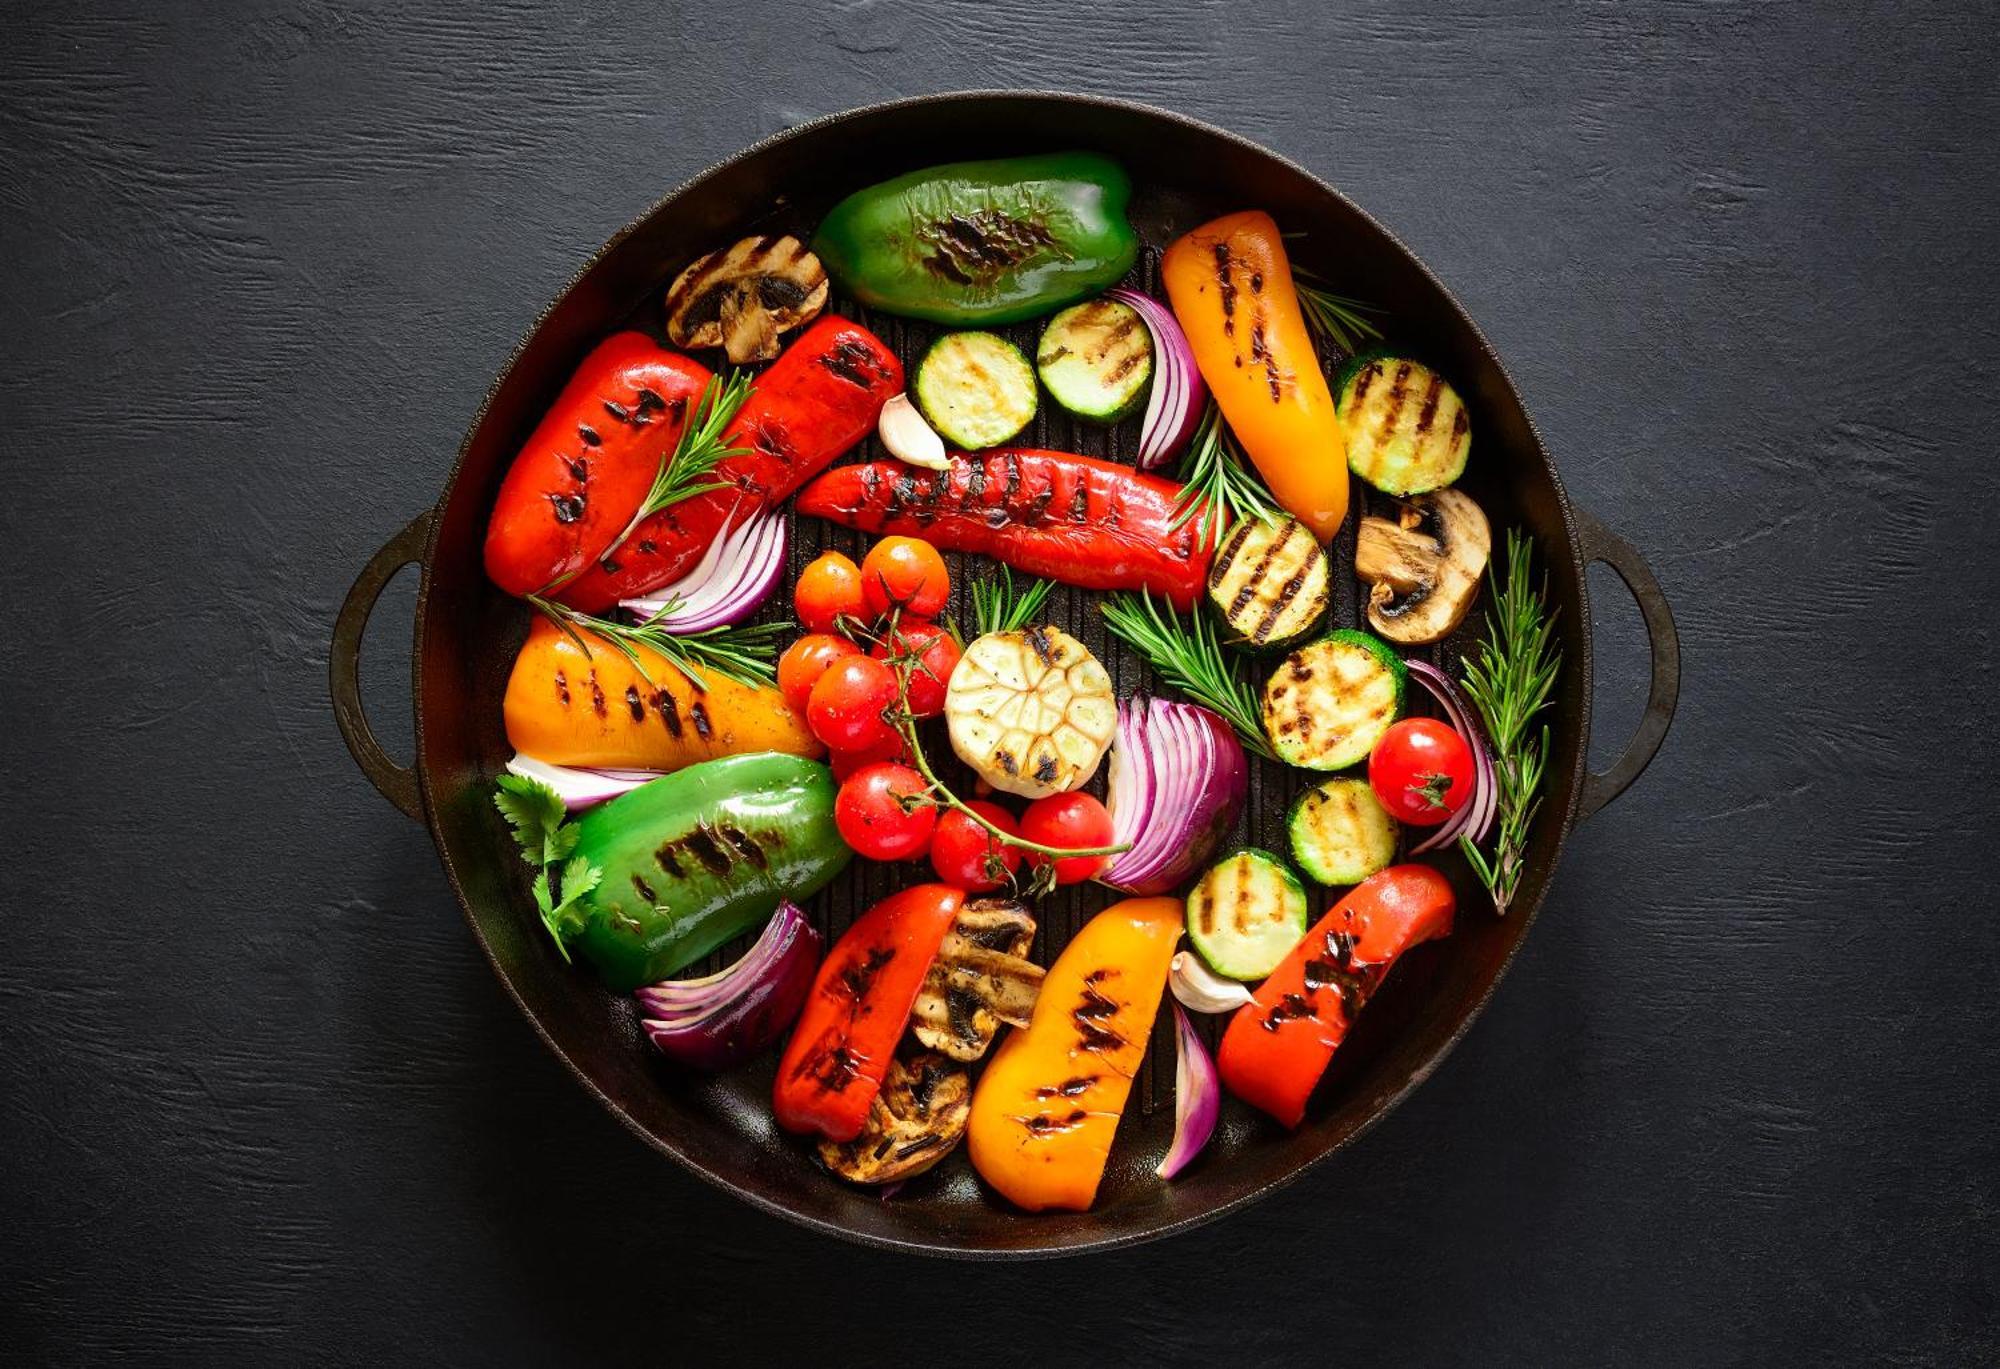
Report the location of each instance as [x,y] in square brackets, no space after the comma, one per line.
[916,1119]
[981,978]
[741,298]
[1424,566]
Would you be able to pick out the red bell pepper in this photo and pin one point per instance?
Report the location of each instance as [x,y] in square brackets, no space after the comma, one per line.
[815,403]
[1075,519]
[847,1033]
[1281,1041]
[582,473]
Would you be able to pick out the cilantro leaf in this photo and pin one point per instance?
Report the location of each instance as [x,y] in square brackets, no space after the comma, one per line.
[536,813]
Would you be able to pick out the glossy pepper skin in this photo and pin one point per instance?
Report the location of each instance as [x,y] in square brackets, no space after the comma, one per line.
[1230,284]
[815,403]
[983,242]
[1281,1041]
[1075,519]
[694,859]
[583,472]
[857,1009]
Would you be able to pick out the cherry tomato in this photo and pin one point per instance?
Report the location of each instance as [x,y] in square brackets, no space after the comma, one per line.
[805,661]
[967,856]
[829,589]
[1068,820]
[845,763]
[906,573]
[851,704]
[929,654]
[1422,771]
[885,812]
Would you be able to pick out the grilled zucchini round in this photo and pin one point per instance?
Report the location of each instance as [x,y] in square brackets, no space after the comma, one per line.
[1329,702]
[1269,582]
[1407,430]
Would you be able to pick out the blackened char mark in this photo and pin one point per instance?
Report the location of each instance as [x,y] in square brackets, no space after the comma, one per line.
[669,710]
[567,507]
[853,361]
[698,715]
[701,843]
[635,705]
[1226,283]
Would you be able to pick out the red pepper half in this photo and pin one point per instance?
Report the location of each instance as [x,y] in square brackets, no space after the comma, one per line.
[1281,1041]
[1075,519]
[583,472]
[815,403]
[855,1014]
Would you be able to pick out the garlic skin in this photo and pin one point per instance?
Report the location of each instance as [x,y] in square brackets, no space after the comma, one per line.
[1200,989]
[909,437]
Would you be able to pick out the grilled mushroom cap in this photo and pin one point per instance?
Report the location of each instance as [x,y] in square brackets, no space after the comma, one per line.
[914,1122]
[981,978]
[1424,567]
[742,297]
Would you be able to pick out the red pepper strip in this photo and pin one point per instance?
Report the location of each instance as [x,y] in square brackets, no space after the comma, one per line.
[855,1014]
[815,403]
[1084,522]
[584,471]
[1281,1041]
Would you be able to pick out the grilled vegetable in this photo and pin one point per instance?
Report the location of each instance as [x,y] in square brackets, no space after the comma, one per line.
[1246,913]
[1046,1108]
[980,979]
[906,436]
[1407,430]
[1425,566]
[1096,358]
[697,858]
[1030,711]
[1329,702]
[1231,286]
[581,701]
[977,243]
[976,389]
[742,297]
[1083,522]
[718,1021]
[1340,832]
[1269,581]
[1177,785]
[916,1118]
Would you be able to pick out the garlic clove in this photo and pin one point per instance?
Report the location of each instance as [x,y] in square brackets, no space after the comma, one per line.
[909,438]
[1201,989]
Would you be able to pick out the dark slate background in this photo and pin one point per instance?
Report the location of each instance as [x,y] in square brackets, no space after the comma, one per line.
[260,1099]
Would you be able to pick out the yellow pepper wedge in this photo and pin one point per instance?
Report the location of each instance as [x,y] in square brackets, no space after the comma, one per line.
[1230,284]
[571,708]
[1047,1107]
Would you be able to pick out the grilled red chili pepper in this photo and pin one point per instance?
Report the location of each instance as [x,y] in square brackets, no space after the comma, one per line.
[856,1012]
[1281,1041]
[1070,518]
[817,400]
[582,473]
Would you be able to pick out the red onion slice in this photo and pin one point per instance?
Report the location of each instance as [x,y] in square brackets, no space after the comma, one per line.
[1173,409]
[1475,816]
[733,578]
[1178,782]
[1197,1098]
[579,787]
[720,1020]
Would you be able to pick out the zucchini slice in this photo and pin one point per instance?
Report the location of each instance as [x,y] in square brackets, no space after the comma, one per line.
[976,389]
[1096,359]
[1340,832]
[1269,581]
[1329,702]
[1407,430]
[1245,915]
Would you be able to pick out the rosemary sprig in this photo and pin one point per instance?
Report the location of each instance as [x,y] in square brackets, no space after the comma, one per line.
[1336,320]
[1189,657]
[1215,476]
[998,607]
[743,654]
[1510,681]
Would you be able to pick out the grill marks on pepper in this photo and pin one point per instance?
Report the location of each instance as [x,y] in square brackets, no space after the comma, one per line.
[855,362]
[669,710]
[976,248]
[717,848]
[1093,1009]
[635,705]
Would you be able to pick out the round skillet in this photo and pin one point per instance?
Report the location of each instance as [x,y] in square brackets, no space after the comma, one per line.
[466,633]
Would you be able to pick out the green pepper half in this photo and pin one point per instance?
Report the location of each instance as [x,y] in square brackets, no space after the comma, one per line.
[983,242]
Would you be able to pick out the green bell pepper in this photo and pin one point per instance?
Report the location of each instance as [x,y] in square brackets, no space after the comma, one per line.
[977,243]
[695,858]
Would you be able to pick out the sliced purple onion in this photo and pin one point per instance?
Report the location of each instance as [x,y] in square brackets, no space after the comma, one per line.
[1197,1098]
[1179,395]
[581,787]
[720,1020]
[733,578]
[1475,816]
[1177,783]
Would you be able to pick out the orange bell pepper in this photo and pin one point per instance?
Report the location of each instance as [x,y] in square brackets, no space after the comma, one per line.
[1230,283]
[569,708]
[1046,1109]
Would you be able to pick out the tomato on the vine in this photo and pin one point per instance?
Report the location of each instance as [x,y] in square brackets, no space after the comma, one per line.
[906,573]
[805,661]
[885,812]
[967,856]
[845,763]
[1422,771]
[929,654]
[852,704]
[828,590]
[1068,821]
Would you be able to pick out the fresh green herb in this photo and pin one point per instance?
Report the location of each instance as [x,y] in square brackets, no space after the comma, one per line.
[1336,320]
[998,607]
[1215,476]
[743,654]
[1510,681]
[1189,657]
[536,814]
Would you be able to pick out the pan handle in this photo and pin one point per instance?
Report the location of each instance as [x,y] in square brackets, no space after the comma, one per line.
[1599,543]
[398,783]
